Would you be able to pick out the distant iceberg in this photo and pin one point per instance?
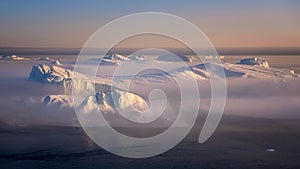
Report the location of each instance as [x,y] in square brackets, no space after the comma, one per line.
[11,57]
[115,57]
[246,68]
[255,62]
[59,100]
[136,57]
[112,59]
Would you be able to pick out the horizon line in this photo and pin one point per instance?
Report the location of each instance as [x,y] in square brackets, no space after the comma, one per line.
[126,51]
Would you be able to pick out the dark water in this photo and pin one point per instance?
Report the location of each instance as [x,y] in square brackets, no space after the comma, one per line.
[238,143]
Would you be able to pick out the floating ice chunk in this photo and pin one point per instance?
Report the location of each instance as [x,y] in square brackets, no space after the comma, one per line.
[270,150]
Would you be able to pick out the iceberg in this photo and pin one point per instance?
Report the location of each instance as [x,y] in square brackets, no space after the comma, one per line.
[120,100]
[50,74]
[11,57]
[136,57]
[116,57]
[250,68]
[108,98]
[113,59]
[255,62]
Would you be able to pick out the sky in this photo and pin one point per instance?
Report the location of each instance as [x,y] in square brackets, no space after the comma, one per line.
[69,23]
